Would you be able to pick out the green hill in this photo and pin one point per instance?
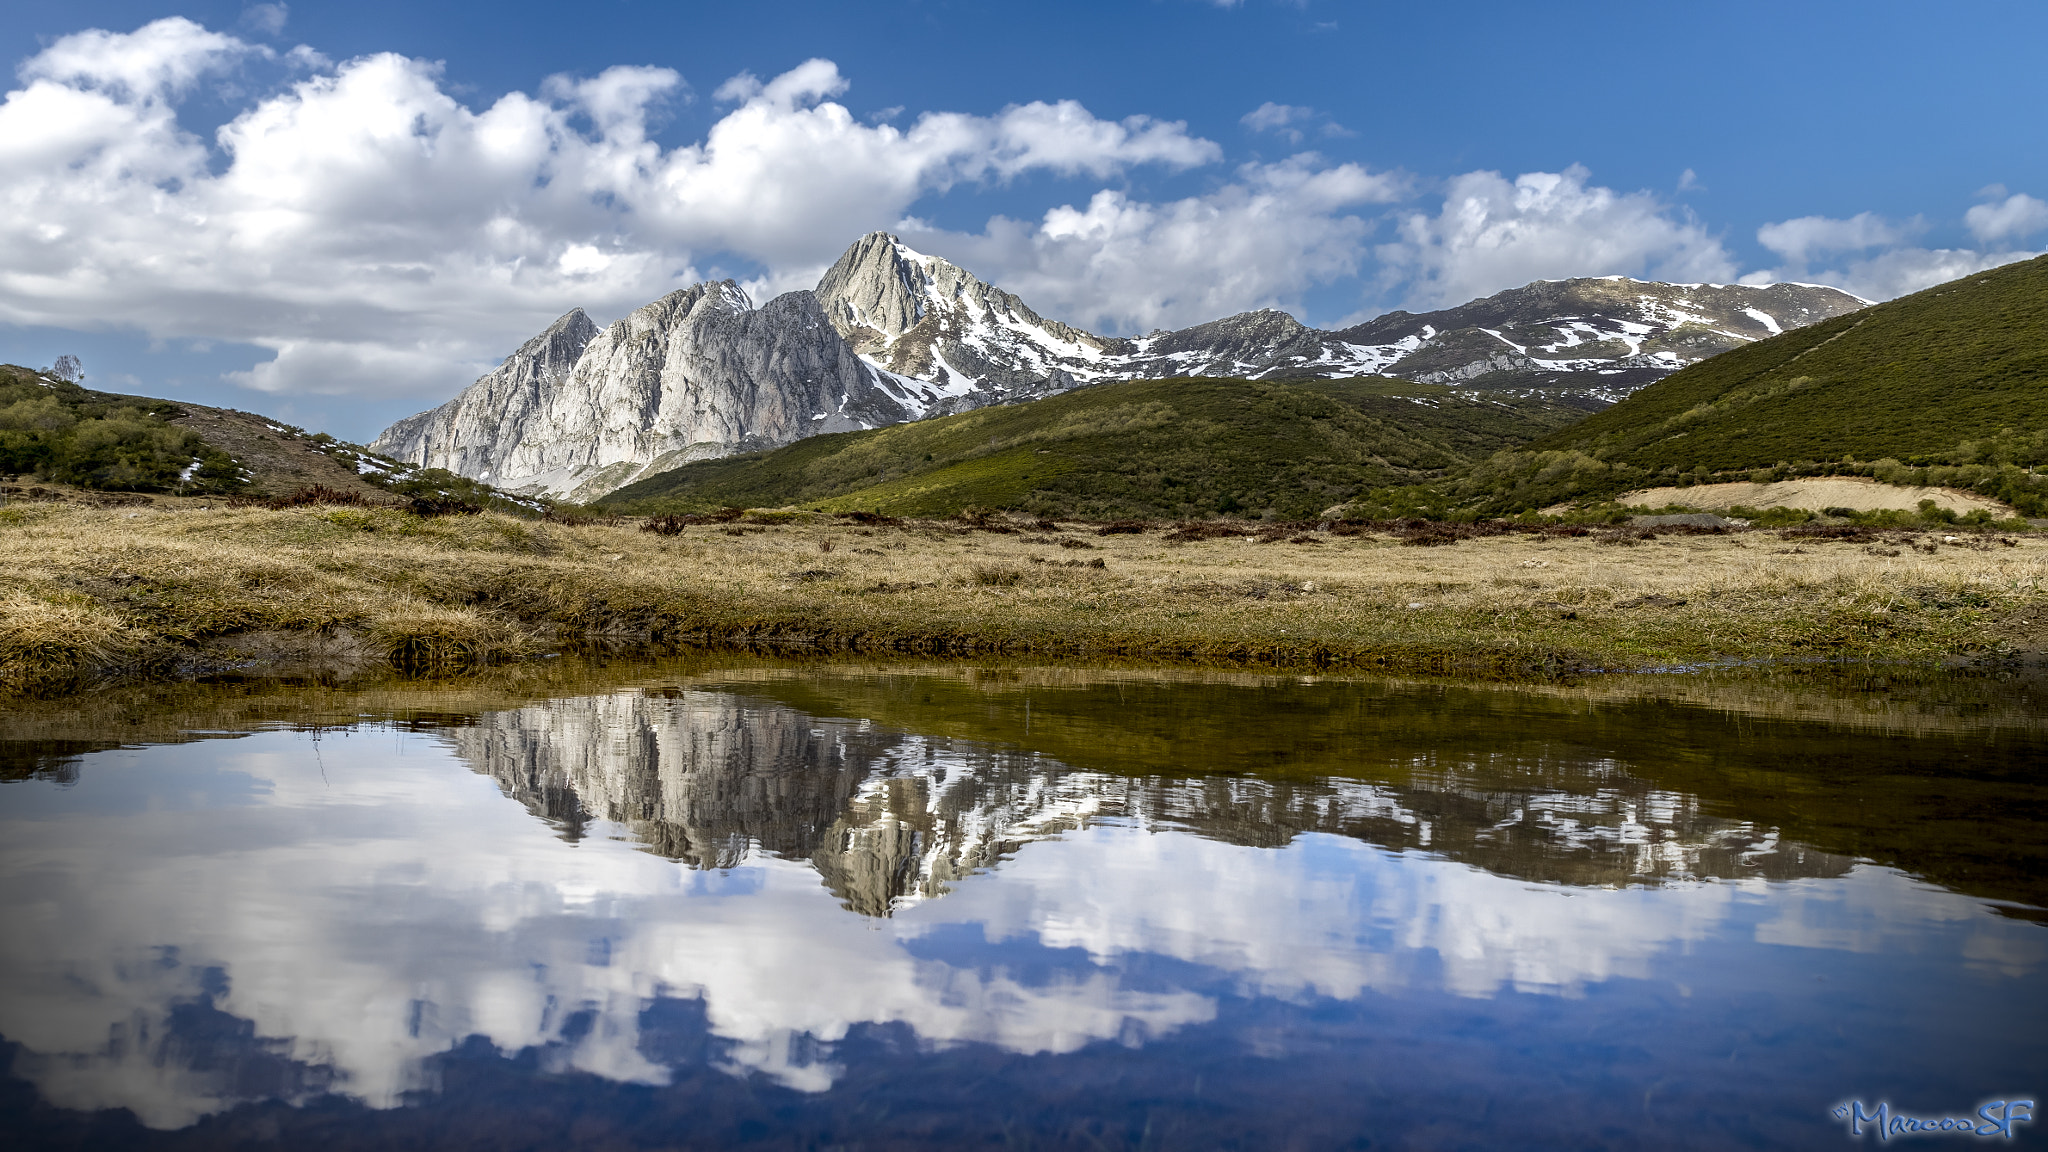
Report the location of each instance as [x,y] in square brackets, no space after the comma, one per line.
[1181,447]
[57,431]
[53,429]
[1946,386]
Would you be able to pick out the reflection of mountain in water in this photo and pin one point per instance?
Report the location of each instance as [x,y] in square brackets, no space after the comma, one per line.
[695,775]
[216,925]
[889,818]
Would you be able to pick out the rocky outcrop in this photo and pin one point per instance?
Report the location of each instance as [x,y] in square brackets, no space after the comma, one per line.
[922,317]
[892,334]
[698,373]
[464,435]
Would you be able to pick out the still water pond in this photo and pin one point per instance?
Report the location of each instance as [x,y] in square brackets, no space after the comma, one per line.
[872,907]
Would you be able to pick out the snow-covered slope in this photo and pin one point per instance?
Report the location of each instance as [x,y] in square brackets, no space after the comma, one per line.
[1597,339]
[921,317]
[892,334]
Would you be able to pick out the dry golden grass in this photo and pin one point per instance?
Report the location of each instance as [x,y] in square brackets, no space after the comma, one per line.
[89,592]
[1904,701]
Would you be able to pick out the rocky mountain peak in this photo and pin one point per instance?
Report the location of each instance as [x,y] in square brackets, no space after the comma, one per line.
[723,295]
[875,291]
[928,318]
[564,338]
[700,372]
[552,353]
[507,395]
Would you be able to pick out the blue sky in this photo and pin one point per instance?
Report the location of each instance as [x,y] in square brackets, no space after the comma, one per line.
[1406,156]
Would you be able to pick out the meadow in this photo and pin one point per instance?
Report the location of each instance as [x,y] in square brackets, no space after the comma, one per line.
[178,587]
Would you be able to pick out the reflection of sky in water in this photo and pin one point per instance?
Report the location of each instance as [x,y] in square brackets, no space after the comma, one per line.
[372,906]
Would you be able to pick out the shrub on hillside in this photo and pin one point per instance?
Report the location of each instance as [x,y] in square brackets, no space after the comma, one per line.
[55,430]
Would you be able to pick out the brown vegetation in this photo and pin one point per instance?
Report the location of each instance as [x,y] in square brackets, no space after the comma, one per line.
[175,586]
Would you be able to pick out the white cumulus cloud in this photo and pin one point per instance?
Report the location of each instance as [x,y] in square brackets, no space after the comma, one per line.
[2016,217]
[1799,241]
[158,60]
[1492,233]
[1120,264]
[381,236]
[1870,256]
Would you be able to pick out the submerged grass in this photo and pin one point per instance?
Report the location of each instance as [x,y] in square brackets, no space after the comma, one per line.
[91,592]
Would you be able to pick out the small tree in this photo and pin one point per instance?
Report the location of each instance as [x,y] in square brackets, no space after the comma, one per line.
[68,369]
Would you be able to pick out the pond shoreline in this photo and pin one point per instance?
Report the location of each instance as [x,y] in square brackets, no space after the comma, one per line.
[171,591]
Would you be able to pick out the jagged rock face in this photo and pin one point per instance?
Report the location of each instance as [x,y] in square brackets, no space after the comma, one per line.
[892,334]
[464,434]
[921,317]
[696,374]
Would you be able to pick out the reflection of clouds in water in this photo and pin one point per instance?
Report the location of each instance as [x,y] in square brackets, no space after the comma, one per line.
[372,926]
[1875,910]
[1328,916]
[374,915]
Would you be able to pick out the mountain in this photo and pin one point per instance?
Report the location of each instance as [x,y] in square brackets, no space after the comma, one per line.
[1590,341]
[1598,339]
[1956,375]
[920,317]
[1177,447]
[701,372]
[891,334]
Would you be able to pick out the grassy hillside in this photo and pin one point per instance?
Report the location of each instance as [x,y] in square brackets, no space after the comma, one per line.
[1946,386]
[58,432]
[1183,447]
[55,430]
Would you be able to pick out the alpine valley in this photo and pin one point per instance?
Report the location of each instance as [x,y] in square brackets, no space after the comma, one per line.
[891,335]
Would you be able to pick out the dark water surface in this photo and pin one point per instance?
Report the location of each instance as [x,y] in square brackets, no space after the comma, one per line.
[842,906]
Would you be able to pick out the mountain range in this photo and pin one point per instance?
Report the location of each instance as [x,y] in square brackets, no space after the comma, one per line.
[893,335]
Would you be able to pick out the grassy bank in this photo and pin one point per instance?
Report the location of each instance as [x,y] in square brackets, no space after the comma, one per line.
[171,587]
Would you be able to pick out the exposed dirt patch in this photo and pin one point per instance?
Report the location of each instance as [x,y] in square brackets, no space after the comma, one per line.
[1815,494]
[279,461]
